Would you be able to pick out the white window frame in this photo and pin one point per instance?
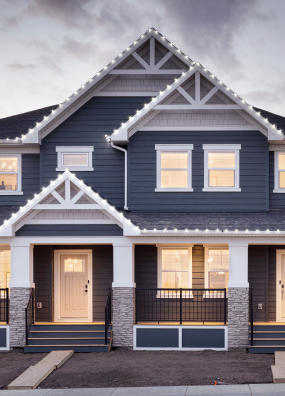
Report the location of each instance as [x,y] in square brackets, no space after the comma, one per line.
[159,266]
[173,148]
[19,175]
[277,188]
[221,148]
[206,264]
[61,150]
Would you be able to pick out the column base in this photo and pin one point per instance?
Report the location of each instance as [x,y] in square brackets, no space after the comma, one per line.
[123,316]
[19,298]
[238,300]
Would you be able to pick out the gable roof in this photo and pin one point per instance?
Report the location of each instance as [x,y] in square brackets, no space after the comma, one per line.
[121,135]
[39,202]
[84,93]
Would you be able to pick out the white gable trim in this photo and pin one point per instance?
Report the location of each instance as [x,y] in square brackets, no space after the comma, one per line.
[8,227]
[86,91]
[121,135]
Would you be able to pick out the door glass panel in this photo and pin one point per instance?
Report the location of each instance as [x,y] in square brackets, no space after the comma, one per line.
[73,265]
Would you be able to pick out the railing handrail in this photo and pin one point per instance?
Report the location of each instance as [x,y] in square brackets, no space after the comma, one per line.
[5,317]
[30,314]
[166,288]
[108,314]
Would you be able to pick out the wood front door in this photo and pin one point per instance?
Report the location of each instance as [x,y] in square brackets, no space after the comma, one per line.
[73,286]
[280,285]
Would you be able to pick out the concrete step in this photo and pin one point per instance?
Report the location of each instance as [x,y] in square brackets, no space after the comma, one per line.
[75,348]
[66,341]
[66,327]
[34,375]
[68,334]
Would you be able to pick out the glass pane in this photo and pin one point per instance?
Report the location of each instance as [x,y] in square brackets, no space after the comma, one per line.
[5,268]
[174,280]
[282,179]
[73,265]
[281,161]
[75,159]
[174,179]
[9,182]
[174,259]
[174,160]
[8,164]
[221,178]
[218,259]
[221,160]
[218,279]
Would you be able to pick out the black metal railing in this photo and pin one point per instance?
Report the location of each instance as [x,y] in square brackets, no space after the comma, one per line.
[4,305]
[108,315]
[30,314]
[251,315]
[181,305]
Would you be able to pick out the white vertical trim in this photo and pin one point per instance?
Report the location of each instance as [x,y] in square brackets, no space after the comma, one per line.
[197,86]
[279,253]
[238,270]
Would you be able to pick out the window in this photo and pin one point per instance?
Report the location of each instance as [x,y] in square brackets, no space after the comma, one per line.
[73,265]
[10,174]
[216,268]
[5,267]
[279,172]
[173,167]
[74,158]
[175,267]
[221,167]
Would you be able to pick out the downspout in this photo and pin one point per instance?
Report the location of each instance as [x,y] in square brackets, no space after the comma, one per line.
[126,173]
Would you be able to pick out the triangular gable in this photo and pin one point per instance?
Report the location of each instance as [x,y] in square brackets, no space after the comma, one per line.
[67,193]
[168,59]
[187,93]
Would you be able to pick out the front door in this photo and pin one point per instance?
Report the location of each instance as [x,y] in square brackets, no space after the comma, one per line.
[280,286]
[73,286]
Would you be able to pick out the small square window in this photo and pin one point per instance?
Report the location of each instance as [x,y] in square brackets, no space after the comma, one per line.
[174,163]
[10,174]
[221,167]
[74,158]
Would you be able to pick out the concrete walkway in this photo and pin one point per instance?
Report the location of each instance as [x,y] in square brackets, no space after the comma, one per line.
[218,390]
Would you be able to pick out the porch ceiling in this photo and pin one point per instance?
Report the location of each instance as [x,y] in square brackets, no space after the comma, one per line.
[272,220]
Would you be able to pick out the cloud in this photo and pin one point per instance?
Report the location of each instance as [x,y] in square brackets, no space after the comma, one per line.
[22,66]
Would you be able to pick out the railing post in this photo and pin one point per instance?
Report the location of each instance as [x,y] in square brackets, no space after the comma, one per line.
[225,306]
[251,315]
[180,303]
[7,306]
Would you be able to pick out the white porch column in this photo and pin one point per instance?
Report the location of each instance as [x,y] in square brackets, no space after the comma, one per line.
[123,294]
[20,290]
[238,289]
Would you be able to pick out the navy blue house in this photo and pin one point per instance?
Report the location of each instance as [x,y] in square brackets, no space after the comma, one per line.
[145,211]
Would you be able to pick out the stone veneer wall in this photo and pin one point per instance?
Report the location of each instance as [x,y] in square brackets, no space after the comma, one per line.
[238,317]
[19,298]
[123,316]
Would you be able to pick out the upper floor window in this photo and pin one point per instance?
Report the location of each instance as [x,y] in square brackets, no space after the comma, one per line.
[216,268]
[279,172]
[74,158]
[221,167]
[10,174]
[173,167]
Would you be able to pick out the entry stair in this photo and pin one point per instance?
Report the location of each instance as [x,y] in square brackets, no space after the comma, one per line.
[267,338]
[76,337]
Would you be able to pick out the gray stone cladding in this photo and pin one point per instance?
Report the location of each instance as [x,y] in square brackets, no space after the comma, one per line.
[123,316]
[19,298]
[238,317]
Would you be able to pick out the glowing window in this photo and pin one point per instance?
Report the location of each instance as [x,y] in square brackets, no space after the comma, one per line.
[217,268]
[10,174]
[74,158]
[175,268]
[73,265]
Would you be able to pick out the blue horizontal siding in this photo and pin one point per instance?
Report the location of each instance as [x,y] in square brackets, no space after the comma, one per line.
[70,230]
[253,173]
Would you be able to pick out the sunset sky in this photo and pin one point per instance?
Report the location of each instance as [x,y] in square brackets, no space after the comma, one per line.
[50,47]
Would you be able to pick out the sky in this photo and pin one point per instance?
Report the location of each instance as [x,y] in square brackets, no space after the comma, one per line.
[49,48]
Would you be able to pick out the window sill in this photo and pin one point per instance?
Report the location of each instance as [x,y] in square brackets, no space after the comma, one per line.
[159,189]
[11,192]
[221,189]
[72,169]
[279,191]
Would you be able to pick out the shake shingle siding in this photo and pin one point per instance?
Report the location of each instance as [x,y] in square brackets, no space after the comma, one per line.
[253,171]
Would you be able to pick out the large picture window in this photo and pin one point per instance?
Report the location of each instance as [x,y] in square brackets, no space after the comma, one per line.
[221,167]
[174,167]
[10,174]
[216,268]
[279,172]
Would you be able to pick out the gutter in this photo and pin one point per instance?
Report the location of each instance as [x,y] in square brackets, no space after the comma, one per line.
[126,174]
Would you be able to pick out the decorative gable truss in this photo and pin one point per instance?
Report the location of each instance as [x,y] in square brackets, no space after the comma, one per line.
[67,200]
[196,101]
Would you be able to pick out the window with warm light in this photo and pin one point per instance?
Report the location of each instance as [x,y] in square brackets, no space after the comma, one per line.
[175,268]
[73,265]
[74,158]
[279,172]
[10,174]
[5,267]
[216,268]
[221,167]
[174,167]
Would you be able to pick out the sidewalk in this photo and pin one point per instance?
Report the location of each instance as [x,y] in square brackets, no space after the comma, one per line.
[218,390]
